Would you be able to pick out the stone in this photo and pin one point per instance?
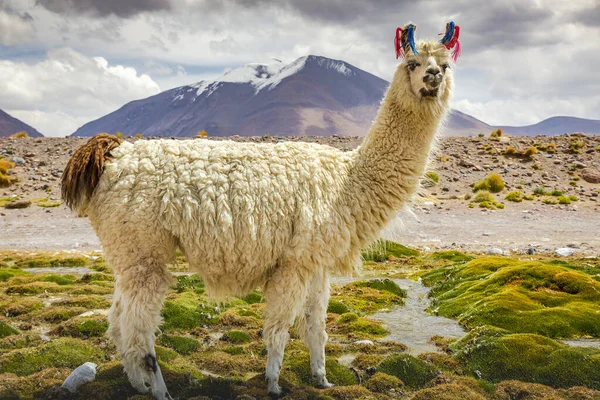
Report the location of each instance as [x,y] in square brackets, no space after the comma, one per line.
[565,251]
[18,204]
[590,175]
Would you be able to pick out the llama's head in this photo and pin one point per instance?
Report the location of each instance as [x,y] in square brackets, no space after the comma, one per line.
[426,69]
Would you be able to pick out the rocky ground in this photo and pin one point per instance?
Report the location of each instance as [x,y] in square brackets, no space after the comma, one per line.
[520,324]
[444,217]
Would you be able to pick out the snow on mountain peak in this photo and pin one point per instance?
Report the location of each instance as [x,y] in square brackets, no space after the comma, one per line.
[267,76]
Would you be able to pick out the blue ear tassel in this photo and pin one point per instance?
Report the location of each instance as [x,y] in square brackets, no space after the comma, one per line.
[449,33]
[410,38]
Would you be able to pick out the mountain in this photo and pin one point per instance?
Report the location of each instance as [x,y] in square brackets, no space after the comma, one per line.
[556,126]
[310,96]
[10,125]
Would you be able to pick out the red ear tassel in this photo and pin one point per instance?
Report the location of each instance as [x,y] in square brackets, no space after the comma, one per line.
[398,43]
[454,43]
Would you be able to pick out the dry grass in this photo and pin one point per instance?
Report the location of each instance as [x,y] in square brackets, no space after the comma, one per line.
[20,135]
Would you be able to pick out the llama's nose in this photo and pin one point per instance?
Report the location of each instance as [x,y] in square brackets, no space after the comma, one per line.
[433,76]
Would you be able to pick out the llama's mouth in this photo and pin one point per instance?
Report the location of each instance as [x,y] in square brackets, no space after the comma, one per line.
[428,92]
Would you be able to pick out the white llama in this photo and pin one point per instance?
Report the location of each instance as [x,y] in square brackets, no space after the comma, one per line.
[283,217]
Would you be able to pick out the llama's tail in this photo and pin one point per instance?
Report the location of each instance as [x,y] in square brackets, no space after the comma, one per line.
[84,169]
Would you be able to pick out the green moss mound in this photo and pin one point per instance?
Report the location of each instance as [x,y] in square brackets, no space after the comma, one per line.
[413,372]
[19,306]
[254,297]
[383,383]
[192,282]
[452,255]
[236,336]
[381,251]
[59,279]
[60,353]
[189,310]
[83,327]
[450,391]
[497,355]
[338,374]
[181,344]
[6,329]
[383,284]
[367,297]
[337,307]
[519,296]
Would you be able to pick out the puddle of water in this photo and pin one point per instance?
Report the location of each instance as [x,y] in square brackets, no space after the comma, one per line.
[346,359]
[410,324]
[94,312]
[61,270]
[595,343]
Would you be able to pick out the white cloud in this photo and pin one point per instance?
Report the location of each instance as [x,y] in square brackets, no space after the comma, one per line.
[15,28]
[506,75]
[67,89]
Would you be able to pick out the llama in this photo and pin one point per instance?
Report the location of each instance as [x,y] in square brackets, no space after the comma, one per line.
[283,217]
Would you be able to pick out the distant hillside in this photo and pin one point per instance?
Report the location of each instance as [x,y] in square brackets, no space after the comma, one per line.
[310,96]
[10,125]
[556,126]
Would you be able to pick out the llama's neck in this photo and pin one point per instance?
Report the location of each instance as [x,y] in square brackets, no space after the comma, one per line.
[391,160]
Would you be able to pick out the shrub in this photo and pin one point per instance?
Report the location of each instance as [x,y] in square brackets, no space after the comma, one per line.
[514,196]
[529,152]
[551,148]
[493,183]
[483,195]
[433,176]
[119,135]
[564,200]
[20,135]
[510,151]
[549,201]
[573,198]
[138,135]
[480,135]
[540,191]
[495,135]
[575,145]
[202,134]
[556,193]
[5,165]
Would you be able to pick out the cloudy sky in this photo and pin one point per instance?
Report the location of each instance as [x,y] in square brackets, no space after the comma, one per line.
[66,62]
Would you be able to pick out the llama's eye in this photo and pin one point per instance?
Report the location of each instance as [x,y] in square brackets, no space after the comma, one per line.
[412,65]
[445,67]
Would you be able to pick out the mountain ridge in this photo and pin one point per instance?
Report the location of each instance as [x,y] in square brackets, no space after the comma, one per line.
[10,125]
[313,95]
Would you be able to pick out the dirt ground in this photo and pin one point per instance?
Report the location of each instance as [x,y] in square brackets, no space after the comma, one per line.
[440,219]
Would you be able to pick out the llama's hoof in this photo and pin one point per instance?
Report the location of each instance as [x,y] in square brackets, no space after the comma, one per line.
[274,390]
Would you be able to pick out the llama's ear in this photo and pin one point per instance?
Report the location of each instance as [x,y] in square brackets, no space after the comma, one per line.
[405,40]
[450,39]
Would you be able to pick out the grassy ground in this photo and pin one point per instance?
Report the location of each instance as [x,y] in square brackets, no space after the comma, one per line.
[515,311]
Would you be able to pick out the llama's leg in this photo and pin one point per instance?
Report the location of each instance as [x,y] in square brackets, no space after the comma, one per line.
[286,292]
[311,326]
[114,316]
[142,288]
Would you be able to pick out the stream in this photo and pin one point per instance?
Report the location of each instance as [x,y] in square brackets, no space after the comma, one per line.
[409,324]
